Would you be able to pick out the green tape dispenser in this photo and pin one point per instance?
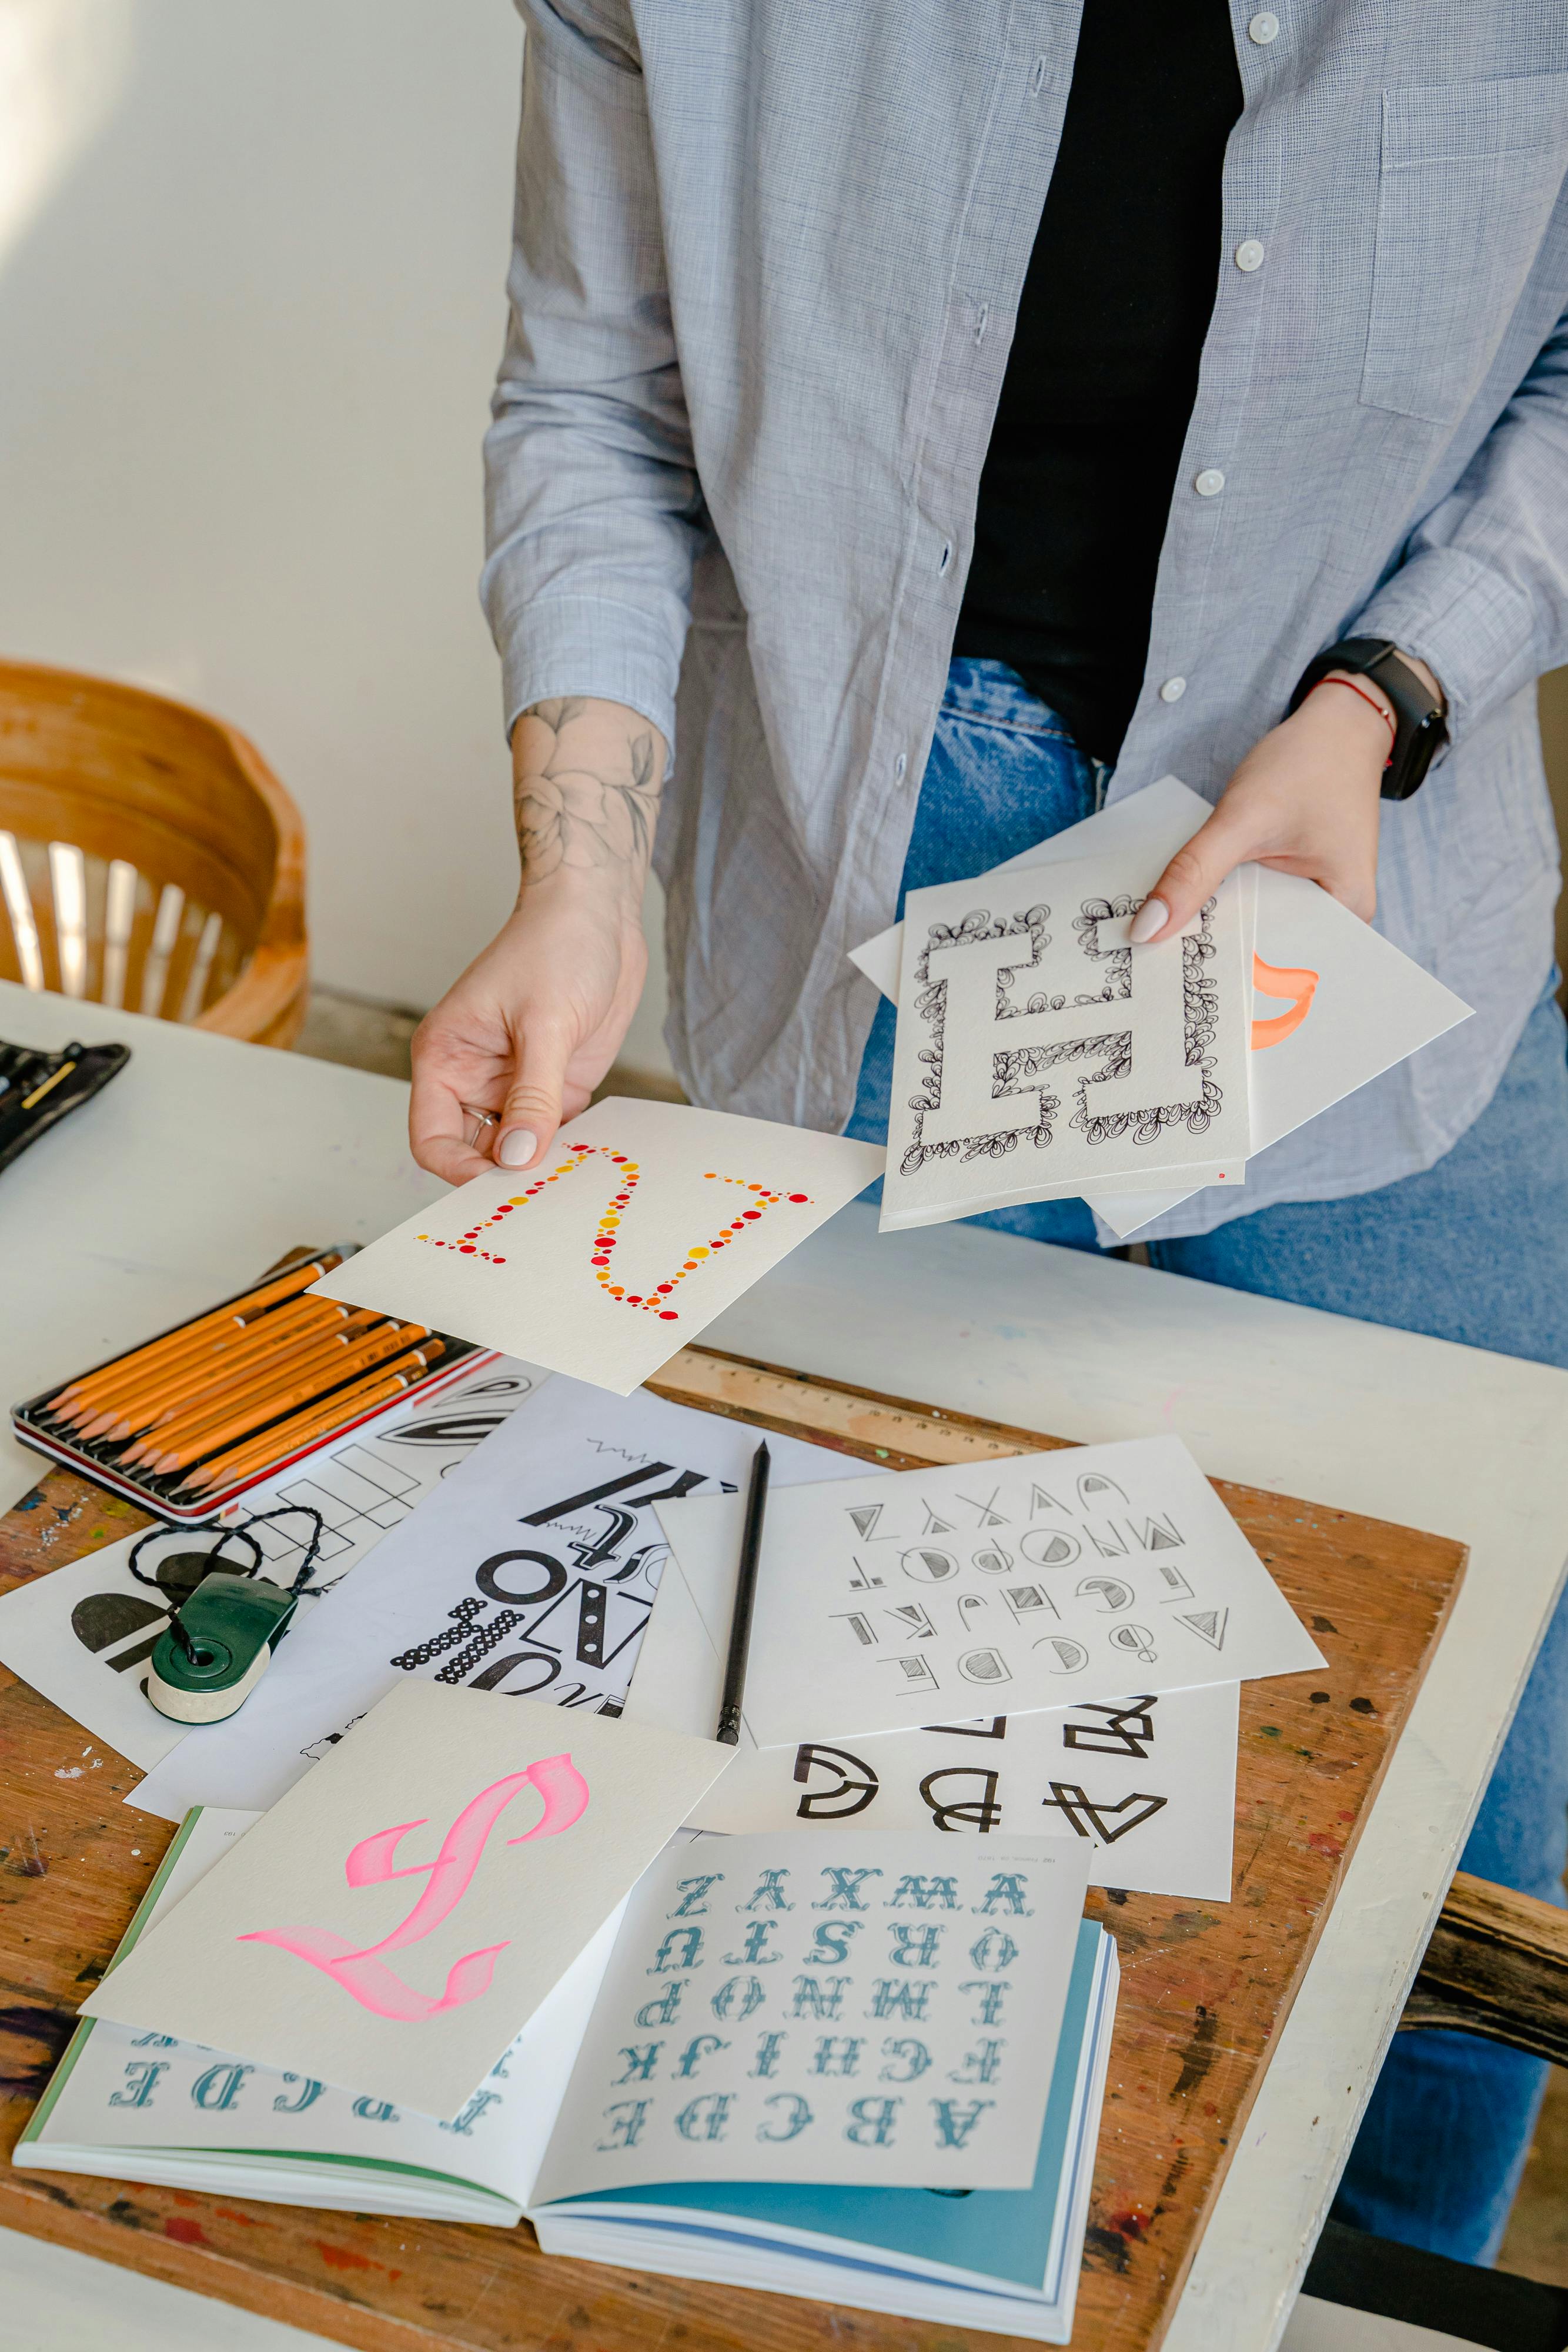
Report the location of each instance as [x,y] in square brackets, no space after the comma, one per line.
[224,1622]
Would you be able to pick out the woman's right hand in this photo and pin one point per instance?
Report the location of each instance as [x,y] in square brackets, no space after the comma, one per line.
[536,1020]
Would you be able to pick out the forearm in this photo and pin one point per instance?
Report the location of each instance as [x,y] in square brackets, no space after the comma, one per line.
[586,780]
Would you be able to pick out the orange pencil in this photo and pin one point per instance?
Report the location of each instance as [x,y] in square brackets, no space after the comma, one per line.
[208,1358]
[204,1431]
[254,1302]
[267,1357]
[133,1376]
[288,1436]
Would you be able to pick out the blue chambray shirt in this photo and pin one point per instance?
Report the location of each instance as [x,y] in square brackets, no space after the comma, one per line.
[768,255]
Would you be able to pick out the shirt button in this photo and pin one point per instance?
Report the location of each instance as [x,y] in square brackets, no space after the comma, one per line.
[1209,483]
[899,766]
[1173,689]
[1264,28]
[1249,254]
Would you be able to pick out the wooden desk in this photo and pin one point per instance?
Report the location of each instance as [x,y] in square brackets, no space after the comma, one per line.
[206,1154]
[1205,1987]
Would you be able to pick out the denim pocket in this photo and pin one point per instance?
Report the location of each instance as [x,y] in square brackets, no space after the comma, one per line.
[1470,176]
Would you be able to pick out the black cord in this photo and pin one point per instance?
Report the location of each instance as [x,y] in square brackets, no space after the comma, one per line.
[302,1574]
[241,1532]
[201,1528]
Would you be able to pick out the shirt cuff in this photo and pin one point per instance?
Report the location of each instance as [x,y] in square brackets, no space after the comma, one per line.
[587,645]
[1475,630]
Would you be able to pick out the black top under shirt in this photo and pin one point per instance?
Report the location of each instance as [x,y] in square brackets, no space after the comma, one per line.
[1077,484]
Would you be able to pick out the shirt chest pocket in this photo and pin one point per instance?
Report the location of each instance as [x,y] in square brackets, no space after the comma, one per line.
[1470,177]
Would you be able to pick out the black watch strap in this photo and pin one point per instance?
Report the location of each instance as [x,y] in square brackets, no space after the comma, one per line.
[1421,729]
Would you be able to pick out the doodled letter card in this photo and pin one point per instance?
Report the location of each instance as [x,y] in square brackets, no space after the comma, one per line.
[395,1920]
[1038,1051]
[643,1222]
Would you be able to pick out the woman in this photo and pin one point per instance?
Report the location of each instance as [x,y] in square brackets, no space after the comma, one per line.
[968,414]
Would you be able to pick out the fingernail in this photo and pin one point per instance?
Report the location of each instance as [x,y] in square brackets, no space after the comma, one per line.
[518,1147]
[1152,916]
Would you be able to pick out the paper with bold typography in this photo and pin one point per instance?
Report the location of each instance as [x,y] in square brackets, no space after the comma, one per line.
[643,1221]
[84,1634]
[900,1600]
[1038,1051]
[531,1571]
[1148,1781]
[393,1922]
[880,2009]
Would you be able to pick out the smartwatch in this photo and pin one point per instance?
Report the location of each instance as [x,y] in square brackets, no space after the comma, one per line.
[1421,731]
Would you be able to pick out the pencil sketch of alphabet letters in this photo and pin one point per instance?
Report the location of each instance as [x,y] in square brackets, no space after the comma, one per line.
[1089,1570]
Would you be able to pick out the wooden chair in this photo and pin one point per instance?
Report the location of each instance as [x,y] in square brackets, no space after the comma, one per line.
[148,858]
[1497,1966]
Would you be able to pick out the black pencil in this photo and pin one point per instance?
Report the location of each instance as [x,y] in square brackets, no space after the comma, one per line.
[745,1594]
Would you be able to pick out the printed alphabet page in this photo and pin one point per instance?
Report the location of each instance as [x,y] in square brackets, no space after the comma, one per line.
[644,1222]
[880,2009]
[391,1926]
[83,1634]
[1039,1052]
[1149,1782]
[887,1603]
[529,1570]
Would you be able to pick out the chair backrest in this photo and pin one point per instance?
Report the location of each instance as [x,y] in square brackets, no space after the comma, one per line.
[148,858]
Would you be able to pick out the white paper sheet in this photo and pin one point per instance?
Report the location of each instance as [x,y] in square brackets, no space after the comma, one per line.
[878,2010]
[1150,1783]
[645,1220]
[83,1634]
[888,1603]
[1369,1007]
[1037,1051]
[532,1571]
[391,1927]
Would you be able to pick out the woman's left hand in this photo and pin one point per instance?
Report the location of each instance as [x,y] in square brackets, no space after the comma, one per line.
[1306,798]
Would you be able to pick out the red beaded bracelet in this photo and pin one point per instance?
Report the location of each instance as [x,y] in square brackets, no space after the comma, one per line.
[1372,704]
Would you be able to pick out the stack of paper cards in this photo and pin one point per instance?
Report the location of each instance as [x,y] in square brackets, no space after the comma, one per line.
[395,1920]
[643,1221]
[772,2067]
[1039,1054]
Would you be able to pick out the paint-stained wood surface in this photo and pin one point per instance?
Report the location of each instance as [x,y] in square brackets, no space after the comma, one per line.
[1205,1987]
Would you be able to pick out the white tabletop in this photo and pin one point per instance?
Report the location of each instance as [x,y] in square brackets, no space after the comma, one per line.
[206,1159]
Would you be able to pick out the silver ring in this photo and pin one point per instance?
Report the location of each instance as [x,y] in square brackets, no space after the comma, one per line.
[480,1119]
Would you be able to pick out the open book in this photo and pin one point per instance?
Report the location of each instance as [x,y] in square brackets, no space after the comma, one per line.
[626,2144]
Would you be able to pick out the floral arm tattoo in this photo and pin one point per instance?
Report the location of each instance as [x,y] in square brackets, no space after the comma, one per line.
[585,798]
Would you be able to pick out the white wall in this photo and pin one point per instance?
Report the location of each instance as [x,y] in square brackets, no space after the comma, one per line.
[252,255]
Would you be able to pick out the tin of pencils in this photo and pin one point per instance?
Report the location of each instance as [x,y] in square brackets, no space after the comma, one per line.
[195,1416]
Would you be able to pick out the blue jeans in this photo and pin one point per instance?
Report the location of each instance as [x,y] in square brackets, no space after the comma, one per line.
[1474,1250]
